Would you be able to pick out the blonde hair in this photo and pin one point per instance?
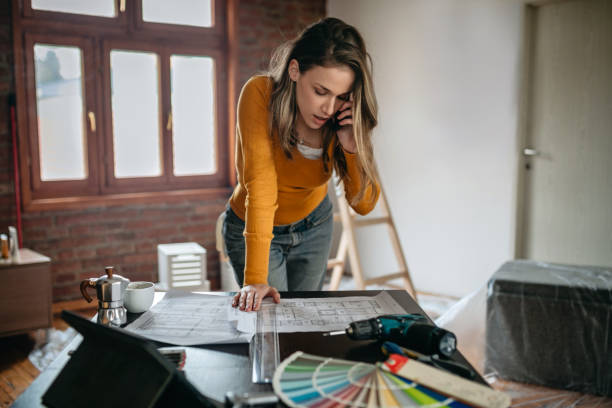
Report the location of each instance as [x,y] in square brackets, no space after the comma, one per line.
[329,42]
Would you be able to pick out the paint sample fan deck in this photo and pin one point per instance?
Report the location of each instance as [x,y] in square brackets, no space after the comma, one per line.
[304,380]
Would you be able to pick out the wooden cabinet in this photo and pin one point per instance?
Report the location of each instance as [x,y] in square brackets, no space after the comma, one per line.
[25,294]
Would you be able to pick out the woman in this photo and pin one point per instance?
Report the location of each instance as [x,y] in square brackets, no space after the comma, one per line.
[312,114]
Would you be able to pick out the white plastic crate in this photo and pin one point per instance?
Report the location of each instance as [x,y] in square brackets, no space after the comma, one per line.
[182,266]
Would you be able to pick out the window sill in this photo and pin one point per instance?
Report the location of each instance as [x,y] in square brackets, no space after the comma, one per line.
[65,203]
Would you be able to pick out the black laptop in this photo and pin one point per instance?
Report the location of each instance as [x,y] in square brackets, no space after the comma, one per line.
[114,368]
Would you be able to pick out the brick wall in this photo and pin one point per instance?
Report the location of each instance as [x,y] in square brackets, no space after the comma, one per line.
[81,242]
[7,200]
[265,24]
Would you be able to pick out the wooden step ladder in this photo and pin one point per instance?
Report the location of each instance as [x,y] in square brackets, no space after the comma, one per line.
[348,246]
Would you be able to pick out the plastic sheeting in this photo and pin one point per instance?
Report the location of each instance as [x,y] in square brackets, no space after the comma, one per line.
[540,332]
[55,341]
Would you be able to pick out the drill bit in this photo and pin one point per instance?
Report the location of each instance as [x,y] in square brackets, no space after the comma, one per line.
[335,333]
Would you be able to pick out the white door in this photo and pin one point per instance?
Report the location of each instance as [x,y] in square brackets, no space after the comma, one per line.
[567,212]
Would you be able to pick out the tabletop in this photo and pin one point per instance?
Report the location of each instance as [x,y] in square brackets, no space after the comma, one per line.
[216,369]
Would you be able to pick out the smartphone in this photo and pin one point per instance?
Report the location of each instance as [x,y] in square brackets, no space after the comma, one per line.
[334,122]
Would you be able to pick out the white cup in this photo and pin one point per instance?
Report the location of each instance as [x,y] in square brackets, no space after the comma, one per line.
[139,296]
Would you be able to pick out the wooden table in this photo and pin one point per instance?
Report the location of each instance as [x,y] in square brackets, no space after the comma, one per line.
[25,293]
[215,370]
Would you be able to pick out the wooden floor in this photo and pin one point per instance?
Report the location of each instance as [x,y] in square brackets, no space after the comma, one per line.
[534,396]
[16,370]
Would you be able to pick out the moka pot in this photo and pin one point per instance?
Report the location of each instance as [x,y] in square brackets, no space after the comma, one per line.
[110,290]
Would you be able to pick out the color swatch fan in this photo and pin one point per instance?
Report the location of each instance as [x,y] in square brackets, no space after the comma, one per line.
[304,380]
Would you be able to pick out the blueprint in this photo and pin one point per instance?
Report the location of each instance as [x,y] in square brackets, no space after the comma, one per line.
[327,314]
[186,319]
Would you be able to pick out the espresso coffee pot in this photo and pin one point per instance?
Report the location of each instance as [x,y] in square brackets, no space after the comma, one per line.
[110,290]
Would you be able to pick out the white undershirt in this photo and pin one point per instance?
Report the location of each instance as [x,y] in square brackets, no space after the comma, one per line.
[311,153]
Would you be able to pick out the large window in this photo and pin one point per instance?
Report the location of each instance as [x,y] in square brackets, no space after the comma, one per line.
[117,97]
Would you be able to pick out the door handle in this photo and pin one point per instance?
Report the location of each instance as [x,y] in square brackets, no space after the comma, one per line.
[528,151]
[92,120]
[169,122]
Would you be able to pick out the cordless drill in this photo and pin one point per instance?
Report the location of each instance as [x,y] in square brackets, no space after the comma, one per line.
[412,331]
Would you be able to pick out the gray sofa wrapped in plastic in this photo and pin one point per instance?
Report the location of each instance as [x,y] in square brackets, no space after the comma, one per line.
[543,324]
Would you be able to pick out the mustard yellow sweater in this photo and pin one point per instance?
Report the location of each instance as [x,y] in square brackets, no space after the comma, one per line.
[273,189]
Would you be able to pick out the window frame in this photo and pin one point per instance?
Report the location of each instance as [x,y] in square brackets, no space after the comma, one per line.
[124,185]
[56,188]
[221,111]
[95,41]
[218,17]
[112,184]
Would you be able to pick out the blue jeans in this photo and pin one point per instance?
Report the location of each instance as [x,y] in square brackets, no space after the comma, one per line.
[298,252]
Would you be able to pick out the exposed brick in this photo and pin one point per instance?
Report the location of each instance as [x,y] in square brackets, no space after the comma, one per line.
[59,232]
[65,254]
[66,292]
[34,235]
[153,214]
[142,276]
[6,188]
[5,89]
[203,228]
[65,277]
[6,200]
[207,218]
[140,258]
[144,267]
[145,247]
[171,220]
[139,223]
[37,222]
[88,241]
[80,218]
[65,266]
[163,233]
[79,230]
[121,236]
[115,250]
[6,178]
[90,274]
[105,228]
[85,253]
[100,263]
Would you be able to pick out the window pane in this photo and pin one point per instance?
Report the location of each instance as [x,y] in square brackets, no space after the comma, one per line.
[184,12]
[135,104]
[59,104]
[193,125]
[102,8]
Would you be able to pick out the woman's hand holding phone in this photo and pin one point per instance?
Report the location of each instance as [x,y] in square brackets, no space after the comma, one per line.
[344,121]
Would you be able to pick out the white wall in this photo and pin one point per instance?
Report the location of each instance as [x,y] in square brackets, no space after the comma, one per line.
[447,78]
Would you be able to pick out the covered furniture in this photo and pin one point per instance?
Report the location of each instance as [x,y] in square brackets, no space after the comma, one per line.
[551,324]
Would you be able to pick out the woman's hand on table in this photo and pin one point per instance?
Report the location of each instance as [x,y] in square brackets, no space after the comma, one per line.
[249,298]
